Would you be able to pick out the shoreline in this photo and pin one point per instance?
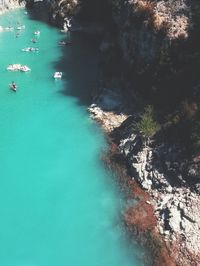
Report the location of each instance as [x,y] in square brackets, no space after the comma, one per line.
[144,219]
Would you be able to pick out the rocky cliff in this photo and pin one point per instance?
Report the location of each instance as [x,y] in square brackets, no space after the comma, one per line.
[151,56]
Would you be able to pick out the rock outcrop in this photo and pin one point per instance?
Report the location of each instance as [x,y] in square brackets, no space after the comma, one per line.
[62,11]
[148,30]
[163,172]
[176,203]
[10,4]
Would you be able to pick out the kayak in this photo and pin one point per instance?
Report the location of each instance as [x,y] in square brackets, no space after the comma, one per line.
[13,88]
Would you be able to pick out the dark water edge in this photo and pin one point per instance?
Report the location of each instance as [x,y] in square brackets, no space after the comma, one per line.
[80,57]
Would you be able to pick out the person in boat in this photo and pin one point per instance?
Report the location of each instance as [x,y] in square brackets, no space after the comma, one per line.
[34,40]
[13,85]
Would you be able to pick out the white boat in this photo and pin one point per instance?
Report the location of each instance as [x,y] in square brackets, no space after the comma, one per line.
[18,67]
[30,49]
[37,32]
[57,75]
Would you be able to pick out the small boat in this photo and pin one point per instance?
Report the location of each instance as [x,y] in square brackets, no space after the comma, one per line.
[37,32]
[13,87]
[57,75]
[22,27]
[30,49]
[8,28]
[65,43]
[33,40]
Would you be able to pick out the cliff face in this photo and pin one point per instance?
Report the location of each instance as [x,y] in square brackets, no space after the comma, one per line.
[153,36]
[63,10]
[153,50]
[147,27]
[155,42]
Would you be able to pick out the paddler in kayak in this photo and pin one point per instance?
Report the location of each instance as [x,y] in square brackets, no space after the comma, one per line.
[13,86]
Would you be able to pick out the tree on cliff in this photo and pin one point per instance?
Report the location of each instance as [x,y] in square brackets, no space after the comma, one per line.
[147,126]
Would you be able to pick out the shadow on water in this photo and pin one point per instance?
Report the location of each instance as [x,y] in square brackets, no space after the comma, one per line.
[38,12]
[79,61]
[79,64]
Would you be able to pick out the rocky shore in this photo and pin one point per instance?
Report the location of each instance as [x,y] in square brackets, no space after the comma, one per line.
[169,207]
[11,4]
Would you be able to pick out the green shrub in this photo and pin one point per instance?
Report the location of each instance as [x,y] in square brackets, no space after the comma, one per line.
[148,126]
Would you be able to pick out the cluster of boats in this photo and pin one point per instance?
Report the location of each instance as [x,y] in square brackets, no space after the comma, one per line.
[18,67]
[19,27]
[9,28]
[25,68]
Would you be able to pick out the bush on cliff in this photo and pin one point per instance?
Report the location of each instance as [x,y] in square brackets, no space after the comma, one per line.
[147,126]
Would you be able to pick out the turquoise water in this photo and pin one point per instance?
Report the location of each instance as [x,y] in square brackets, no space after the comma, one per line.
[58,205]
